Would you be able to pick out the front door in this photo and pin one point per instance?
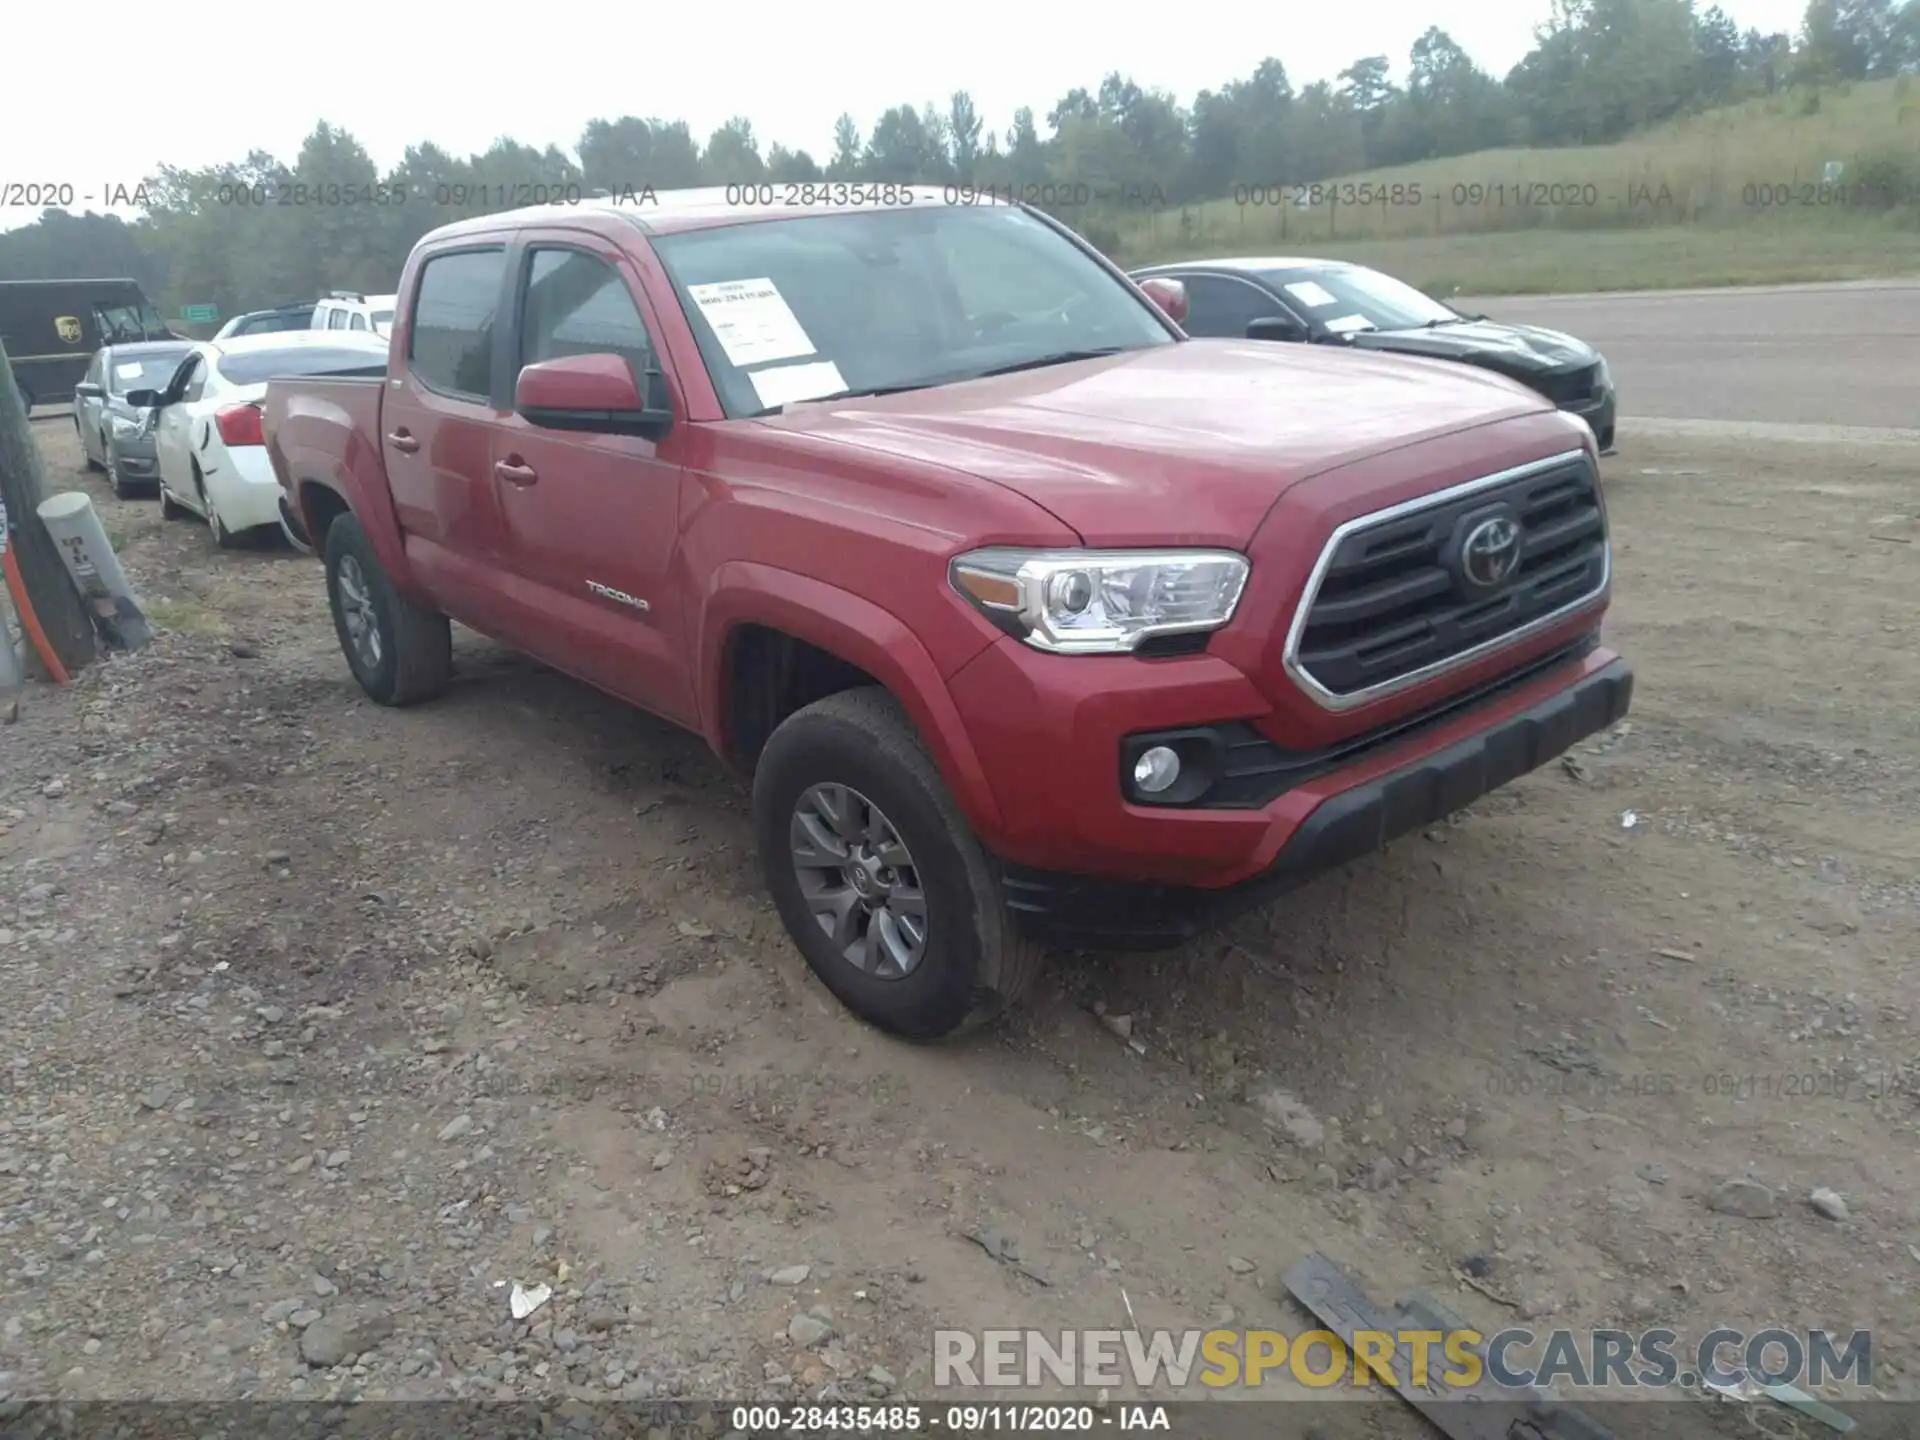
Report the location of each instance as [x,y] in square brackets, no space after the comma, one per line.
[173,440]
[591,521]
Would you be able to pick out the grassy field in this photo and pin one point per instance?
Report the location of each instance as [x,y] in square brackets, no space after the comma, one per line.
[1742,195]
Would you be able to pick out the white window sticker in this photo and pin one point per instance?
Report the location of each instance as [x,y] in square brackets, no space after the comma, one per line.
[789,384]
[1347,324]
[130,371]
[1308,292]
[752,321]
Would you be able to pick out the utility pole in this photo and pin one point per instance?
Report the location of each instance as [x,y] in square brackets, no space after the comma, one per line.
[50,595]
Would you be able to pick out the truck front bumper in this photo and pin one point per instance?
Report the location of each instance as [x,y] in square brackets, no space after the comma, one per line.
[1333,818]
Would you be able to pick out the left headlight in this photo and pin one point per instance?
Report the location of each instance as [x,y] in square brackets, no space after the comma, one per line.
[1602,374]
[1101,602]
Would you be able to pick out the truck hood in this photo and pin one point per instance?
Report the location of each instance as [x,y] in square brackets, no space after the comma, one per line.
[1182,444]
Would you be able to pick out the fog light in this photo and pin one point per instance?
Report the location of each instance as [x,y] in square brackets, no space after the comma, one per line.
[1156,770]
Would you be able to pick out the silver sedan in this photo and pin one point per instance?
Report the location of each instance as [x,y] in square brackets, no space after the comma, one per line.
[114,436]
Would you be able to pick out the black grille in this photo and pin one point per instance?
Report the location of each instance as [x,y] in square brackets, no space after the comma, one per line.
[1393,601]
[1570,387]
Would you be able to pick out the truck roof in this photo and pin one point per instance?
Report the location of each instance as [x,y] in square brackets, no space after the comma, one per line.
[661,212]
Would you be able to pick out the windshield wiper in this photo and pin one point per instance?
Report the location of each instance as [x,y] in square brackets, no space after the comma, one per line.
[780,409]
[1057,357]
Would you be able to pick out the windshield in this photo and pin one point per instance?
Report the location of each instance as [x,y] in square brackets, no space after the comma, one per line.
[254,367]
[122,323]
[790,310]
[1350,297]
[149,370]
[274,321]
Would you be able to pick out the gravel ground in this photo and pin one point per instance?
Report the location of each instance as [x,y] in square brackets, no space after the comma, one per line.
[328,1025]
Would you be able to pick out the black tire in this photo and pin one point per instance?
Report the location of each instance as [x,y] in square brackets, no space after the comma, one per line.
[170,508]
[415,657]
[292,531]
[975,963]
[123,489]
[223,537]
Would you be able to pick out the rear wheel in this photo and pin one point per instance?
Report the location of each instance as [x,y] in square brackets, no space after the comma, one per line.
[170,508]
[294,532]
[877,876]
[400,653]
[222,536]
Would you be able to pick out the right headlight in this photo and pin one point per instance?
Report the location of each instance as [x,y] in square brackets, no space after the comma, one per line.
[1101,602]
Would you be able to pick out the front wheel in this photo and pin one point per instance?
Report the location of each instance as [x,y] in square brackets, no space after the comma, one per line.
[400,653]
[876,874]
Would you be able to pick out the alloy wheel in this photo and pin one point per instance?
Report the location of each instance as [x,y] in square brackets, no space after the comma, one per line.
[858,879]
[356,609]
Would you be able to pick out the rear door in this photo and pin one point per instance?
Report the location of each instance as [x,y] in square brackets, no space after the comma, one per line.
[591,521]
[437,423]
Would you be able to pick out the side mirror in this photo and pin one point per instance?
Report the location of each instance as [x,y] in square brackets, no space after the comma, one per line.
[1169,295]
[1276,327]
[89,392]
[592,393]
[145,399]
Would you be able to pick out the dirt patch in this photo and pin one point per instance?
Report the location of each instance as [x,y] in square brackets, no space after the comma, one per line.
[319,1012]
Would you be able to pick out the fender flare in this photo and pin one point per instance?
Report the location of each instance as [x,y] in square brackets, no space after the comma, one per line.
[365,497]
[744,592]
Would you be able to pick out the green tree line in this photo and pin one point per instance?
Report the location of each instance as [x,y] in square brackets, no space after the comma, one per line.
[1599,69]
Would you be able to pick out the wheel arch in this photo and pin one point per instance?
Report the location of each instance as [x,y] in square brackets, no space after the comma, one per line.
[750,606]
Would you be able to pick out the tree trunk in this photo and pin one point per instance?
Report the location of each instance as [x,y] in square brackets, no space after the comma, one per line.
[50,590]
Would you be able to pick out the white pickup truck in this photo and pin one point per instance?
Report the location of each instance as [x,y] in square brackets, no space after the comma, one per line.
[350,310]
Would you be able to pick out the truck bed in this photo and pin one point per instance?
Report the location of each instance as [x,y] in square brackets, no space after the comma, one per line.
[325,428]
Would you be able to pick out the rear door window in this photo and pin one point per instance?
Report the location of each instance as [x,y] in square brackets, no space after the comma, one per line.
[450,344]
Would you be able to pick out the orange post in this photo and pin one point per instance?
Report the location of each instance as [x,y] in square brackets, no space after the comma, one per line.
[30,622]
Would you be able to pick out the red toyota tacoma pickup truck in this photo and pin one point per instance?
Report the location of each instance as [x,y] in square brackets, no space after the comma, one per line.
[1031,620]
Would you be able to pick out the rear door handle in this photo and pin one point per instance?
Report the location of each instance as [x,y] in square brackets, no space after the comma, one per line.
[403,442]
[515,473]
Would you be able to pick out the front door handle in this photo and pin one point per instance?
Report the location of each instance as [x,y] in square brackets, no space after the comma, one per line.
[403,442]
[515,473]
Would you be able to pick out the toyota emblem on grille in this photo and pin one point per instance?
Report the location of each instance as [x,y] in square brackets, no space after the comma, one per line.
[1490,553]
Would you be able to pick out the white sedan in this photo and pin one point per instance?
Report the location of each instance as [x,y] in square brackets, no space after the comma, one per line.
[213,457]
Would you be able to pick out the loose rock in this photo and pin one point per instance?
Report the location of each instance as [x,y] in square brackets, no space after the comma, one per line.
[333,1339]
[807,1331]
[1748,1199]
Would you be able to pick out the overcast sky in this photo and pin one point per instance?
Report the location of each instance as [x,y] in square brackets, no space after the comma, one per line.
[103,92]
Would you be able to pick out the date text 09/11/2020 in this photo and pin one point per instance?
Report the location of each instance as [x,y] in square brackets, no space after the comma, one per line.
[968,1419]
